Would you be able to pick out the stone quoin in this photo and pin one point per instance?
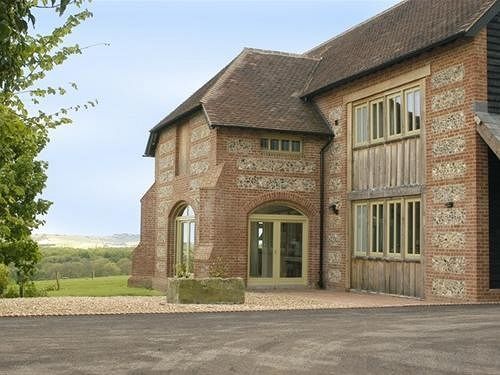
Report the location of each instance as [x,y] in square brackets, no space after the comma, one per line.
[353,166]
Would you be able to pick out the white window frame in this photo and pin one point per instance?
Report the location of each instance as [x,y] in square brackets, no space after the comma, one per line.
[414,232]
[406,125]
[372,119]
[401,228]
[280,142]
[367,125]
[356,247]
[388,119]
[372,204]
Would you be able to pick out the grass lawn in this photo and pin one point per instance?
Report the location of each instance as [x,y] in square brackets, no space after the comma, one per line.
[97,287]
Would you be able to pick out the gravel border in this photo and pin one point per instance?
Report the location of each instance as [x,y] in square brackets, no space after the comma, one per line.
[255,301]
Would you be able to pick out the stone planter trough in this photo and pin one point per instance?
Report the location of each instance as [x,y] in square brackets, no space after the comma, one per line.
[206,290]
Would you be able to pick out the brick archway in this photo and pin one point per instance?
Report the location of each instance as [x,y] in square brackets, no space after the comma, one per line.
[294,200]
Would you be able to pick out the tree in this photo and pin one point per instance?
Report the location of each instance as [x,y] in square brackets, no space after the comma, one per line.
[24,60]
[4,278]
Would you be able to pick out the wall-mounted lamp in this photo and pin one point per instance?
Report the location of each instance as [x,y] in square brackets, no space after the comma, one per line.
[449,204]
[334,208]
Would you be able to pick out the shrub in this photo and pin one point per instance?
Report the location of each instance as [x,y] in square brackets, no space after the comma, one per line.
[51,288]
[182,272]
[4,277]
[103,267]
[125,266]
[32,291]
[12,292]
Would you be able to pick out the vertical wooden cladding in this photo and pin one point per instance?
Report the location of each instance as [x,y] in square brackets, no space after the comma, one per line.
[393,164]
[493,34]
[387,276]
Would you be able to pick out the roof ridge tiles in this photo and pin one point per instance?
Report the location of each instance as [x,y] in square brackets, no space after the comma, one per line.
[280,53]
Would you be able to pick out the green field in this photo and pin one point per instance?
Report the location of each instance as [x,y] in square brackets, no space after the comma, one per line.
[97,287]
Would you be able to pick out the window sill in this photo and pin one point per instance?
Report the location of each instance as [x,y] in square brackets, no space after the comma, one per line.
[385,141]
[387,259]
[282,154]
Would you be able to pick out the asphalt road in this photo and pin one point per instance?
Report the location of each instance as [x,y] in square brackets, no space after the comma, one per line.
[416,340]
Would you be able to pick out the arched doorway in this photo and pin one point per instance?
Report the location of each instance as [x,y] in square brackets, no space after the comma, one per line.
[185,240]
[278,241]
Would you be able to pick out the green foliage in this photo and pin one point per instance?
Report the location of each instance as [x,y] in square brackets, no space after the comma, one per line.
[4,278]
[125,266]
[181,271]
[25,59]
[31,290]
[22,179]
[12,292]
[77,263]
[97,287]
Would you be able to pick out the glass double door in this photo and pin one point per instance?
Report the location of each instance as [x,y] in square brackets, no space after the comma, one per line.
[277,254]
[185,246]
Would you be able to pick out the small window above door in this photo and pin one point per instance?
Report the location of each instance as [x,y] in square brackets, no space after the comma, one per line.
[276,209]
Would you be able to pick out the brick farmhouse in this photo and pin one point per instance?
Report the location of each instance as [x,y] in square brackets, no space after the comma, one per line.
[370,162]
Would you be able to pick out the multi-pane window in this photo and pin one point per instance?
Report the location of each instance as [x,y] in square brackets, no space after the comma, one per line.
[275,144]
[413,110]
[361,123]
[377,119]
[296,146]
[394,228]
[377,228]
[387,227]
[413,227]
[361,228]
[394,113]
[281,145]
[264,143]
[388,116]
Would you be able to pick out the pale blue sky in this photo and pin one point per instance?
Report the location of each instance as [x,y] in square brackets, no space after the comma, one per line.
[161,52]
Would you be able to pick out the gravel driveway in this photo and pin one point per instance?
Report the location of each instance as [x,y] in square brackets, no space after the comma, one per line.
[411,340]
[255,301]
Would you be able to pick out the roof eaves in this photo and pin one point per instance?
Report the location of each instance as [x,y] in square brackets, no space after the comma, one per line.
[161,125]
[207,117]
[245,126]
[153,133]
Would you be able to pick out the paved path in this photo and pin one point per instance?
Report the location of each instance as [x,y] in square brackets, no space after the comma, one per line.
[408,340]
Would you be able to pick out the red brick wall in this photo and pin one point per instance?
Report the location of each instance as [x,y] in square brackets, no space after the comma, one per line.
[221,204]
[223,193]
[143,256]
[456,239]
[235,203]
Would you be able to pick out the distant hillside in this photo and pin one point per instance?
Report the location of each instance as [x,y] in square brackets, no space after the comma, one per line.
[87,242]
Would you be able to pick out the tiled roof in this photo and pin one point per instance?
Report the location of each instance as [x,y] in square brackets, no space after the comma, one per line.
[405,29]
[260,89]
[191,103]
[488,126]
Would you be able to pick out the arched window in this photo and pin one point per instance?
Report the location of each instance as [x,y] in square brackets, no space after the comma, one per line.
[186,228]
